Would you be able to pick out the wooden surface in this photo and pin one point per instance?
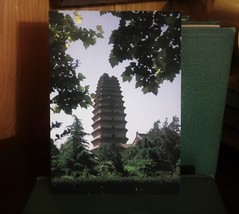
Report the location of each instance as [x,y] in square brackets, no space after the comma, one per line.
[23,60]
[23,99]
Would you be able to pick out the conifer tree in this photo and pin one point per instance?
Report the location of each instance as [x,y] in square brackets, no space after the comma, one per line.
[75,157]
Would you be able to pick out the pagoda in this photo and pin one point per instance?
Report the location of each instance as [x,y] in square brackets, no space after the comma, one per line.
[109,117]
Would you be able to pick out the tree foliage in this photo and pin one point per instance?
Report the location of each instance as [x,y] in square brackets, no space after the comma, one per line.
[153,155]
[108,152]
[167,139]
[75,158]
[106,168]
[55,170]
[151,42]
[157,152]
[65,83]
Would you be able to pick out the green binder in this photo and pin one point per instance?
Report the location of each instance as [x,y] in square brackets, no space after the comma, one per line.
[206,58]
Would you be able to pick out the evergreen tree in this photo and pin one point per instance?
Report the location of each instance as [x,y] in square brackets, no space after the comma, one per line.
[55,169]
[75,158]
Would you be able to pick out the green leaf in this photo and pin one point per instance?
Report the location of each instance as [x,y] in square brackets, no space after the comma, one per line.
[113,61]
[93,95]
[145,90]
[154,90]
[81,76]
[88,100]
[83,105]
[138,84]
[126,77]
[87,88]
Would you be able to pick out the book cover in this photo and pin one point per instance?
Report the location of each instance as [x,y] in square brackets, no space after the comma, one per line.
[115,101]
[206,61]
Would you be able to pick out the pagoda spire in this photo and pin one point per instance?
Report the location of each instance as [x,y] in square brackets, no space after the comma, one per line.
[109,117]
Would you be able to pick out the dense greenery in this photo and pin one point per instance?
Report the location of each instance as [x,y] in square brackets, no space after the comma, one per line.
[151,42]
[155,155]
[107,153]
[163,184]
[147,167]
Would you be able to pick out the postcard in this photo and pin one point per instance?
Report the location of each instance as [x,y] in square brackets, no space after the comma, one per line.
[115,101]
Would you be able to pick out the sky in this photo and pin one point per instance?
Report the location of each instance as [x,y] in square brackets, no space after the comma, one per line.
[142,110]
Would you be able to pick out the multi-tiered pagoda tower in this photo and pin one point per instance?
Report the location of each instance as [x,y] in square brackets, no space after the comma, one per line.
[109,117]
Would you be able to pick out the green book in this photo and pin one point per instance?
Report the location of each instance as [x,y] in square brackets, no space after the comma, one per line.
[206,58]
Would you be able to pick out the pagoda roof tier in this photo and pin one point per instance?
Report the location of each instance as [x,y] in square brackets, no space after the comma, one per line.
[109,83]
[106,114]
[109,103]
[101,107]
[101,95]
[108,122]
[107,93]
[109,98]
[108,108]
[106,77]
[98,141]
[107,88]
[109,132]
[107,129]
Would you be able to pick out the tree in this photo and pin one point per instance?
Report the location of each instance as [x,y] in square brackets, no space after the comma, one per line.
[75,158]
[107,152]
[65,84]
[151,42]
[140,160]
[55,169]
[157,152]
[167,139]
[106,168]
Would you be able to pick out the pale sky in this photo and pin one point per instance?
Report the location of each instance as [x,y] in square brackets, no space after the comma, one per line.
[142,109]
